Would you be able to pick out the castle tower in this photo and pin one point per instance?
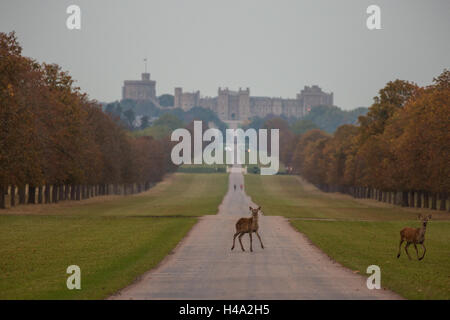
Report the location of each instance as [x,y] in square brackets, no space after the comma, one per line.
[177,97]
[140,90]
[244,104]
[222,104]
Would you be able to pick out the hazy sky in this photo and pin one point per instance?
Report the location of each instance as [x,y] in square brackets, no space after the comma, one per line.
[274,47]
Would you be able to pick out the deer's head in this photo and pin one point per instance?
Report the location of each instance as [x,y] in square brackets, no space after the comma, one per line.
[424,219]
[255,211]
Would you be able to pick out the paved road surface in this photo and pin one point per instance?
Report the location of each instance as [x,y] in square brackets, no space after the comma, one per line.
[204,267]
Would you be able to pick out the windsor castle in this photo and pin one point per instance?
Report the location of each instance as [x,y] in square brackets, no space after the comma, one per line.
[232,105]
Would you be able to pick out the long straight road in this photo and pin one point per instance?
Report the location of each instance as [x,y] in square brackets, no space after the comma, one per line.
[289,267]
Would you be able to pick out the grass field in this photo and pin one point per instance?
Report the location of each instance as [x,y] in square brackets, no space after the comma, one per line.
[358,233]
[112,239]
[202,168]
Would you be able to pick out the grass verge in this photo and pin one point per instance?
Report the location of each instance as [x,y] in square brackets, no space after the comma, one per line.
[358,233]
[112,239]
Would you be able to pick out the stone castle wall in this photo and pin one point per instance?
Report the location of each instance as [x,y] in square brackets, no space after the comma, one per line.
[232,105]
[239,105]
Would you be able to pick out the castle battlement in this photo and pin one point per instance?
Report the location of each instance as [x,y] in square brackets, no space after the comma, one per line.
[239,105]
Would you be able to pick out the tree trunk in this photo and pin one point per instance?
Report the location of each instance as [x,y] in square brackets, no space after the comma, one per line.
[389,195]
[419,199]
[83,191]
[443,198]
[22,195]
[13,195]
[31,194]
[55,193]
[426,202]
[78,192]
[2,197]
[73,192]
[40,195]
[404,199]
[66,192]
[411,199]
[47,193]
[433,201]
[61,192]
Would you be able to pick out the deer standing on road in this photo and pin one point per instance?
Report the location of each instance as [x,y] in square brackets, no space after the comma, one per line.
[247,225]
[414,236]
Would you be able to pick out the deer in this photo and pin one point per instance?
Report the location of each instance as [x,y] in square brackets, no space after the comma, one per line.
[248,225]
[414,236]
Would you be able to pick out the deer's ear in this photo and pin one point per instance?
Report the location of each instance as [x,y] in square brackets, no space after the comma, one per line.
[251,208]
[259,208]
[420,216]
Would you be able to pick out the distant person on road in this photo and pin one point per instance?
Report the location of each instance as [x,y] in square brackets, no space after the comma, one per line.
[242,186]
[234,187]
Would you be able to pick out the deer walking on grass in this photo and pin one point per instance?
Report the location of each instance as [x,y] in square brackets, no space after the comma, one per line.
[247,225]
[414,236]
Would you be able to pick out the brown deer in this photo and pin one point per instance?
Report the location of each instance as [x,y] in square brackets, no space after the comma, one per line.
[414,236]
[247,225]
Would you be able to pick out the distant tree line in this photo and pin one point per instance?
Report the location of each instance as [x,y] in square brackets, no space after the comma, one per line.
[56,144]
[127,111]
[326,118]
[399,153]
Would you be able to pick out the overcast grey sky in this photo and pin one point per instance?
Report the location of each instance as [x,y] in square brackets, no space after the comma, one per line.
[274,47]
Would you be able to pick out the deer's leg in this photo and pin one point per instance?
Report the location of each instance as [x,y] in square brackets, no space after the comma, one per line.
[406,249]
[251,247]
[417,252]
[424,250]
[262,246]
[240,241]
[234,238]
[399,248]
